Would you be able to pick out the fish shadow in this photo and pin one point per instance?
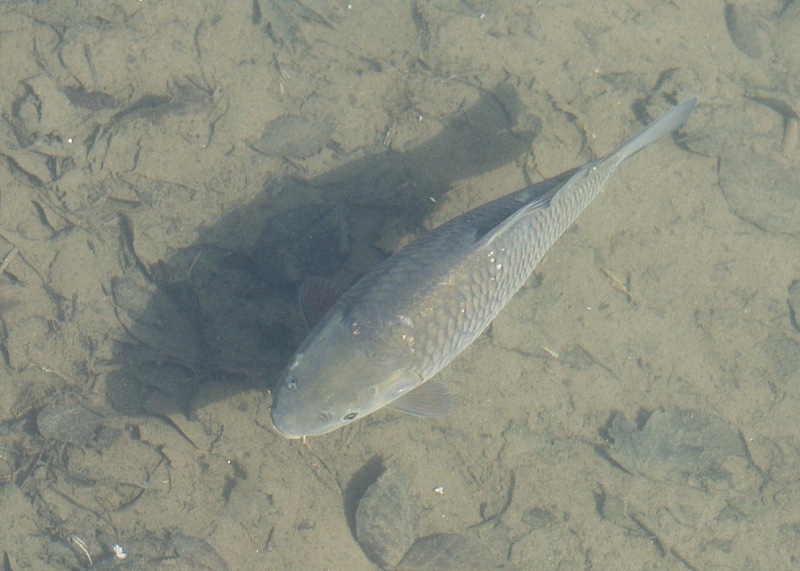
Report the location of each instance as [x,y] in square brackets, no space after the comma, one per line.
[212,312]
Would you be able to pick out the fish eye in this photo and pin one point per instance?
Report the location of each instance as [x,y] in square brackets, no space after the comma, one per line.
[350,415]
[291,383]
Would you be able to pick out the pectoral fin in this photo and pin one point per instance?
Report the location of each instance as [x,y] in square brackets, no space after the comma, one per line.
[317,296]
[429,399]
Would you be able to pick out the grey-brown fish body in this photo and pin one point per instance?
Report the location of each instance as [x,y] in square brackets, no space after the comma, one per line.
[417,310]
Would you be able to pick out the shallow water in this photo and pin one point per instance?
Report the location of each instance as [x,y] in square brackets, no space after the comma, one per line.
[155,234]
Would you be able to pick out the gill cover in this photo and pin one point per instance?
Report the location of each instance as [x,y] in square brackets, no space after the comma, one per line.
[332,381]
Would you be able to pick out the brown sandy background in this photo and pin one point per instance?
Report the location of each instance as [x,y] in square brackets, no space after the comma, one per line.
[172,170]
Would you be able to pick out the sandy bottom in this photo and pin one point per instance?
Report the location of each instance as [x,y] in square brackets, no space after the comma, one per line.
[172,171]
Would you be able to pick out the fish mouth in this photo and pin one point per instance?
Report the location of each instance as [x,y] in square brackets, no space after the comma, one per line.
[288,435]
[277,425]
[286,429]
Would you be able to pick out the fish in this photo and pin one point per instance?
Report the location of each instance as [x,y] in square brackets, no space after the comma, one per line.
[384,339]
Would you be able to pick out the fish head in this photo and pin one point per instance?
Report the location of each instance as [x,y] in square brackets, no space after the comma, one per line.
[332,381]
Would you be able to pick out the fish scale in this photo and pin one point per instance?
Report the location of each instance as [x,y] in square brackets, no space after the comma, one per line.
[407,318]
[447,291]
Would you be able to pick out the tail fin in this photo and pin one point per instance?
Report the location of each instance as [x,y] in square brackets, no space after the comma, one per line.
[665,124]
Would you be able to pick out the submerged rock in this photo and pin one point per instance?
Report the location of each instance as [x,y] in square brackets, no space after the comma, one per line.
[385,518]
